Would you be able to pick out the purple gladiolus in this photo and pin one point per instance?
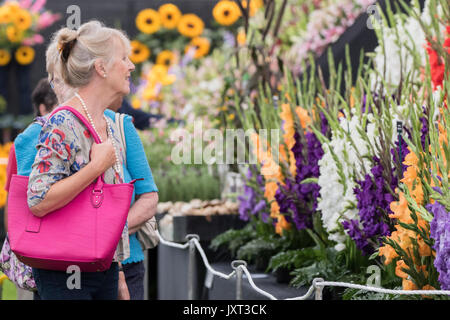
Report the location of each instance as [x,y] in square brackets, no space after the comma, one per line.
[251,203]
[300,200]
[373,203]
[440,232]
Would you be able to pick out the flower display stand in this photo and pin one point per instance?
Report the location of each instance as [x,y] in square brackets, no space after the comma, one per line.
[172,263]
[205,227]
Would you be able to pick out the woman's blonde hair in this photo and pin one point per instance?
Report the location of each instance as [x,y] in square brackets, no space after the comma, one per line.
[64,92]
[79,49]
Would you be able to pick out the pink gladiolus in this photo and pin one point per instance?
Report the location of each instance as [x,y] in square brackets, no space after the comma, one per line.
[25,3]
[38,5]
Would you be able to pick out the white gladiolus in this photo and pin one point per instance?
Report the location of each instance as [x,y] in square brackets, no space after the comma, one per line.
[402,50]
[335,203]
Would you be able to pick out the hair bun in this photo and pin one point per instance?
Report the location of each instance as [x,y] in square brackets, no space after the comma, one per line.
[66,41]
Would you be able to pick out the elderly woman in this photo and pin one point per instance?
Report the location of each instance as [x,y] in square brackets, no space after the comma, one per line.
[145,196]
[94,61]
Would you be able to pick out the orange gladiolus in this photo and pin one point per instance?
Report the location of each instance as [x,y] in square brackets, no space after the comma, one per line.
[399,269]
[408,285]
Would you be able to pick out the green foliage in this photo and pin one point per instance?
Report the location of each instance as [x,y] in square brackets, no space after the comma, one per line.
[355,294]
[182,182]
[233,239]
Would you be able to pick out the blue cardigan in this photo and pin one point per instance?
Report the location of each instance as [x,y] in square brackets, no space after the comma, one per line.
[137,166]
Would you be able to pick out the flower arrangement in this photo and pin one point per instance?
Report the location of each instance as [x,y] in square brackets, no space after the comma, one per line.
[364,172]
[20,24]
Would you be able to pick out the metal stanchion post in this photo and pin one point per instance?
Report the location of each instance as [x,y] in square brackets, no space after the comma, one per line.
[237,265]
[319,289]
[191,265]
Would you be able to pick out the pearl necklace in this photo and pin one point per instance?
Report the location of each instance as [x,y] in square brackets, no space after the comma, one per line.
[109,131]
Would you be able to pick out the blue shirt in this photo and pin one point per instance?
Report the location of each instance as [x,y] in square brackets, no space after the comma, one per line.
[25,147]
[136,167]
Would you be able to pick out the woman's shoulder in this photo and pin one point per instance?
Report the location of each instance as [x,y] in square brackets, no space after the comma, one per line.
[31,133]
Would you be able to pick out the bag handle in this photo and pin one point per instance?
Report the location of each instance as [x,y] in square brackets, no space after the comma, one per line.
[119,119]
[101,179]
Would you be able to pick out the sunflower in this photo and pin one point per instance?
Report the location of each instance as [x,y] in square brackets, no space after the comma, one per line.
[23,20]
[201,46]
[170,15]
[147,21]
[191,25]
[158,74]
[5,57]
[5,15]
[226,12]
[24,55]
[139,52]
[14,34]
[166,58]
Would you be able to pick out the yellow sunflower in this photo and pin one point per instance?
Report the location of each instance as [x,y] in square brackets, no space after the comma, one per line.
[23,20]
[201,46]
[5,57]
[166,58]
[170,15]
[158,74]
[24,55]
[148,21]
[139,52]
[191,25]
[5,14]
[226,12]
[14,34]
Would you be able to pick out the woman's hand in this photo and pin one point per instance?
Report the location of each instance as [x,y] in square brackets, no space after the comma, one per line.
[124,294]
[103,155]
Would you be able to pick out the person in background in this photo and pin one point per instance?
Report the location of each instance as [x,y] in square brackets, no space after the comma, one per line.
[136,167]
[23,151]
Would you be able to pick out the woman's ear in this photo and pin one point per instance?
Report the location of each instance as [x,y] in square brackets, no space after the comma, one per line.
[99,66]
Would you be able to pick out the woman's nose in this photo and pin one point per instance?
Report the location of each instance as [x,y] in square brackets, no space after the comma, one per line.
[132,66]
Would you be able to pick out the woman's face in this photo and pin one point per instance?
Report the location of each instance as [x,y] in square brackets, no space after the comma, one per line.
[119,70]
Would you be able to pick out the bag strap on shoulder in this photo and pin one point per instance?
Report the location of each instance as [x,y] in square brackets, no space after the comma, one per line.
[119,120]
[81,118]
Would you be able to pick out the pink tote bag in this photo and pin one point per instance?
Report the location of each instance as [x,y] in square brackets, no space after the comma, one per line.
[84,233]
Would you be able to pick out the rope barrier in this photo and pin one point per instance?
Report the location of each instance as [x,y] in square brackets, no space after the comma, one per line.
[318,283]
[382,290]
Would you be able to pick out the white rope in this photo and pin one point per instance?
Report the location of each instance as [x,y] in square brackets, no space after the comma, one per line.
[172,244]
[305,296]
[250,280]
[381,290]
[208,266]
[310,290]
